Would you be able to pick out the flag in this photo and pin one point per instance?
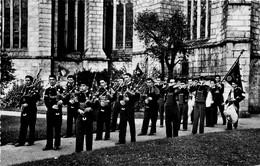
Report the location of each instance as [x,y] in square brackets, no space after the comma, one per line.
[234,75]
[138,72]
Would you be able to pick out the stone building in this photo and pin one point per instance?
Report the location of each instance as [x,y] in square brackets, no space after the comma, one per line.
[76,34]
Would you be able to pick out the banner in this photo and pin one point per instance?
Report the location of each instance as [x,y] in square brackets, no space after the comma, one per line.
[234,75]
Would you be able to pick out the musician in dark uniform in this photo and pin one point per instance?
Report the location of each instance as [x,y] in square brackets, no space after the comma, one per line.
[171,109]
[53,101]
[127,111]
[71,103]
[219,100]
[161,85]
[235,96]
[103,97]
[30,96]
[116,105]
[152,94]
[183,96]
[201,91]
[84,123]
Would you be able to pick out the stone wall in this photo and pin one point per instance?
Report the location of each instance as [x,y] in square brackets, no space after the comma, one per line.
[254,79]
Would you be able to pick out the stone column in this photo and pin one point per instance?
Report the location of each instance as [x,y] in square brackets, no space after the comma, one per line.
[94,30]
[114,24]
[191,19]
[198,18]
[1,25]
[207,19]
[124,24]
[76,26]
[66,24]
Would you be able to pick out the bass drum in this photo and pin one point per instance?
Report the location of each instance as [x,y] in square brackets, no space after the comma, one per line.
[231,114]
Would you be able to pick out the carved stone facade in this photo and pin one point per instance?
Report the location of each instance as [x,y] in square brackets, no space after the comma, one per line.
[77,34]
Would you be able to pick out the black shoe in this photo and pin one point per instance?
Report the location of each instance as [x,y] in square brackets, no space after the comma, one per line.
[151,134]
[107,139]
[98,139]
[141,134]
[161,126]
[56,148]
[18,144]
[112,130]
[119,143]
[29,144]
[228,129]
[47,148]
[184,129]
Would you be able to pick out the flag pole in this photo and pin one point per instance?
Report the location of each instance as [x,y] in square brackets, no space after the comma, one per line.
[233,65]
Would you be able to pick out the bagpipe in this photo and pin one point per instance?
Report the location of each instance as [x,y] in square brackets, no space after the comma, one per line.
[29,94]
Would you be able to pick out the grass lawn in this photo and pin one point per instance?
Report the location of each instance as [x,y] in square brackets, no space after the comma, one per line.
[237,147]
[10,127]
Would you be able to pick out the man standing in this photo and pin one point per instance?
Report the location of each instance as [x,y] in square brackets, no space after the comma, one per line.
[183,96]
[53,102]
[235,96]
[219,100]
[116,105]
[161,85]
[30,96]
[171,110]
[201,91]
[152,95]
[127,111]
[104,110]
[71,105]
[84,123]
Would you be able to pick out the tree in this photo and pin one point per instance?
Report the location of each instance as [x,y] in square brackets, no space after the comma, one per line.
[7,70]
[163,36]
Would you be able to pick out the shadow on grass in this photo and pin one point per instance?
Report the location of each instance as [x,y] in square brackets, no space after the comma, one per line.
[238,147]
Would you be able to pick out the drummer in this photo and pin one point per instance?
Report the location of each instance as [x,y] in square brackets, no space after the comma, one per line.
[235,96]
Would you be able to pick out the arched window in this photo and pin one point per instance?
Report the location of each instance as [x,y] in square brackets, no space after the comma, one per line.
[129,25]
[14,24]
[119,25]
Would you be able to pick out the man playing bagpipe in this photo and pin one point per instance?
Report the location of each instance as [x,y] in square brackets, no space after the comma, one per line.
[127,111]
[30,96]
[85,118]
[201,91]
[219,100]
[161,85]
[53,101]
[151,94]
[116,106]
[183,96]
[103,97]
[235,96]
[171,109]
[71,103]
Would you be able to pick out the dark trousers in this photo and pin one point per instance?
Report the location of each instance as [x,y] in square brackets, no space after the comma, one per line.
[229,123]
[199,116]
[150,113]
[183,108]
[115,113]
[210,115]
[124,118]
[54,121]
[84,127]
[103,117]
[171,120]
[27,121]
[71,115]
[221,109]
[161,110]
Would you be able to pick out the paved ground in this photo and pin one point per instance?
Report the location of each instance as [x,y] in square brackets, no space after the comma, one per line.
[14,155]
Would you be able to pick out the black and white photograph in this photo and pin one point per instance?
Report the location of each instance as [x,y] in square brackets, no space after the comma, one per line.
[129,82]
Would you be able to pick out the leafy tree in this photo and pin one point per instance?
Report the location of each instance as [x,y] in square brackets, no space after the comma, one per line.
[163,36]
[7,70]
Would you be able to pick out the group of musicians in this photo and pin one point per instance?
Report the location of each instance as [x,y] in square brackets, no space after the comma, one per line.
[178,98]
